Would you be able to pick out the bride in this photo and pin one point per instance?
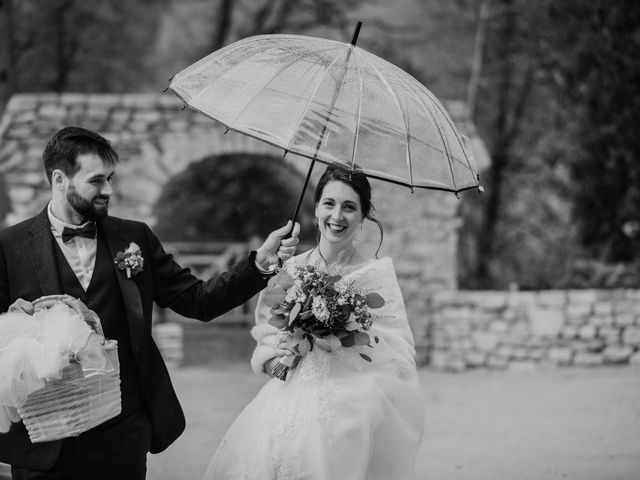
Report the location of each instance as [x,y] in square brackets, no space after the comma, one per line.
[336,416]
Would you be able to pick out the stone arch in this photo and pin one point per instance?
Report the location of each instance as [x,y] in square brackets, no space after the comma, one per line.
[141,180]
[233,197]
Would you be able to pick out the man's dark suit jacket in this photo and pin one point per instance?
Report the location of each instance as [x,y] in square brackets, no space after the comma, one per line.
[28,270]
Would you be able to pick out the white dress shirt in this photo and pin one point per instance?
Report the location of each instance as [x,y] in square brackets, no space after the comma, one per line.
[80,252]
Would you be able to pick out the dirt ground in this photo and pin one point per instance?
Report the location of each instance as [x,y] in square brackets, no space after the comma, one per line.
[581,424]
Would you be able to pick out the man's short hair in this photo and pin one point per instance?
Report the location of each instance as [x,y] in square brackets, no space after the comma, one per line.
[66,144]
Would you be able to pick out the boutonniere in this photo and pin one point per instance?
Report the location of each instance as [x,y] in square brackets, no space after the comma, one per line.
[130,260]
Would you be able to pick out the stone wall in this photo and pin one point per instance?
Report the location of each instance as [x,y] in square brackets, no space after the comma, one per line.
[527,330]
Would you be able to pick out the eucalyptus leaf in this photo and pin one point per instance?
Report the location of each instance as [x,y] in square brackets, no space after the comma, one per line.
[284,280]
[277,321]
[329,343]
[361,338]
[294,312]
[348,340]
[366,357]
[273,297]
[304,347]
[374,300]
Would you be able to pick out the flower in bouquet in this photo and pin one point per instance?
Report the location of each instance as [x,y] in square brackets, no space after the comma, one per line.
[312,308]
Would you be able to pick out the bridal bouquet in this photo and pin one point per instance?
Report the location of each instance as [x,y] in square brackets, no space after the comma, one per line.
[312,308]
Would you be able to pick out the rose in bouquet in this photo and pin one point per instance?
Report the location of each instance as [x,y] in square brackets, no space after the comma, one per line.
[312,308]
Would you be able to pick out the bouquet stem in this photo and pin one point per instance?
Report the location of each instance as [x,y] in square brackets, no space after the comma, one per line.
[281,369]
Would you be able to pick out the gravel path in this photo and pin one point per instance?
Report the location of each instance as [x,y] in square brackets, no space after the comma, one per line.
[480,425]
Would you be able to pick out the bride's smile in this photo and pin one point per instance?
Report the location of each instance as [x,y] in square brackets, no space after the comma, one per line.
[339,213]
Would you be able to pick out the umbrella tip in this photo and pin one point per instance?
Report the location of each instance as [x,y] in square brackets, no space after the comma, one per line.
[356,32]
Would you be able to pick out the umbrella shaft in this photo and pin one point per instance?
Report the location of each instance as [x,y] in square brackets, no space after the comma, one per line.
[304,188]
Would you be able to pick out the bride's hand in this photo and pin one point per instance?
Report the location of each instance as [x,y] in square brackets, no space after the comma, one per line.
[270,364]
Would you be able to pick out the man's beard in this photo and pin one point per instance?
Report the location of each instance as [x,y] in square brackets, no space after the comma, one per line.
[85,207]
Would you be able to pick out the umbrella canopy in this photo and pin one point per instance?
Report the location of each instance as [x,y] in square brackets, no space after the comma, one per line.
[332,102]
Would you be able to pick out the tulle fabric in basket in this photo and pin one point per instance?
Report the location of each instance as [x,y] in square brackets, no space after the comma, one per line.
[57,371]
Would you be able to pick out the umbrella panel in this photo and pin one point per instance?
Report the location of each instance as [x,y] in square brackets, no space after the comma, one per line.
[332,102]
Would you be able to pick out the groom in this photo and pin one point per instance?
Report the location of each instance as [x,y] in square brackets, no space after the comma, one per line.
[69,248]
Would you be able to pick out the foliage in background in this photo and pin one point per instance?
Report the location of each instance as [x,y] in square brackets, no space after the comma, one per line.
[598,79]
[232,197]
[557,99]
[78,46]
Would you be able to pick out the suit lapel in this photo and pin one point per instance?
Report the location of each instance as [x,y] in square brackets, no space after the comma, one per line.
[40,250]
[117,240]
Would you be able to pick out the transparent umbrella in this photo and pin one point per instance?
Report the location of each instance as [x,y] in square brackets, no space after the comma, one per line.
[331,102]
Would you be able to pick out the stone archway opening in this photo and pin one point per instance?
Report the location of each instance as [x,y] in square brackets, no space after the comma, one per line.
[235,197]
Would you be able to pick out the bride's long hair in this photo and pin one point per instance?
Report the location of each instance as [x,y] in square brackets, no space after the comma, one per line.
[360,184]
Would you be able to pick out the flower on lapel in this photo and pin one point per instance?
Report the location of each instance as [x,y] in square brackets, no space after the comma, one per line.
[130,260]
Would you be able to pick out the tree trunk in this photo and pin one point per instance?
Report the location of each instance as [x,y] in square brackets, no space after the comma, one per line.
[225,12]
[500,155]
[6,53]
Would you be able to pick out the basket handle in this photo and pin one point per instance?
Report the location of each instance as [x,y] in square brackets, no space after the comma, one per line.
[89,316]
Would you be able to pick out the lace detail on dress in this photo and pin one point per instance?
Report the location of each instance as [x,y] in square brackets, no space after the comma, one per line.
[313,367]
[310,407]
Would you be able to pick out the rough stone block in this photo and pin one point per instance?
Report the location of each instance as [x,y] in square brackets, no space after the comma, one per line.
[537,354]
[497,362]
[631,336]
[603,308]
[599,320]
[585,297]
[20,194]
[498,326]
[617,354]
[560,355]
[475,359]
[587,359]
[438,359]
[520,353]
[624,319]
[610,334]
[569,331]
[552,298]
[545,321]
[505,351]
[455,363]
[587,332]
[523,366]
[485,341]
[634,360]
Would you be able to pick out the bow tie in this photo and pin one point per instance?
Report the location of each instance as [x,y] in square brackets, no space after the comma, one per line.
[88,231]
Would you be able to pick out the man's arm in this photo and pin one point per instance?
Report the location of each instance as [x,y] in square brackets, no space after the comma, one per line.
[176,288]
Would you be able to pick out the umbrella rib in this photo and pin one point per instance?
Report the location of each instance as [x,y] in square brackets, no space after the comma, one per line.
[402,115]
[284,67]
[427,107]
[445,114]
[306,107]
[358,114]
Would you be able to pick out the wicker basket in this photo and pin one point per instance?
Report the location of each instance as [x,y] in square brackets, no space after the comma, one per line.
[80,399]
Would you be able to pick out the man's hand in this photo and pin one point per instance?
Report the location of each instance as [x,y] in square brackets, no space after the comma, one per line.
[21,305]
[276,246]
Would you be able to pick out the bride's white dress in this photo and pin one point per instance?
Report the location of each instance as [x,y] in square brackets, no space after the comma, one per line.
[336,416]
